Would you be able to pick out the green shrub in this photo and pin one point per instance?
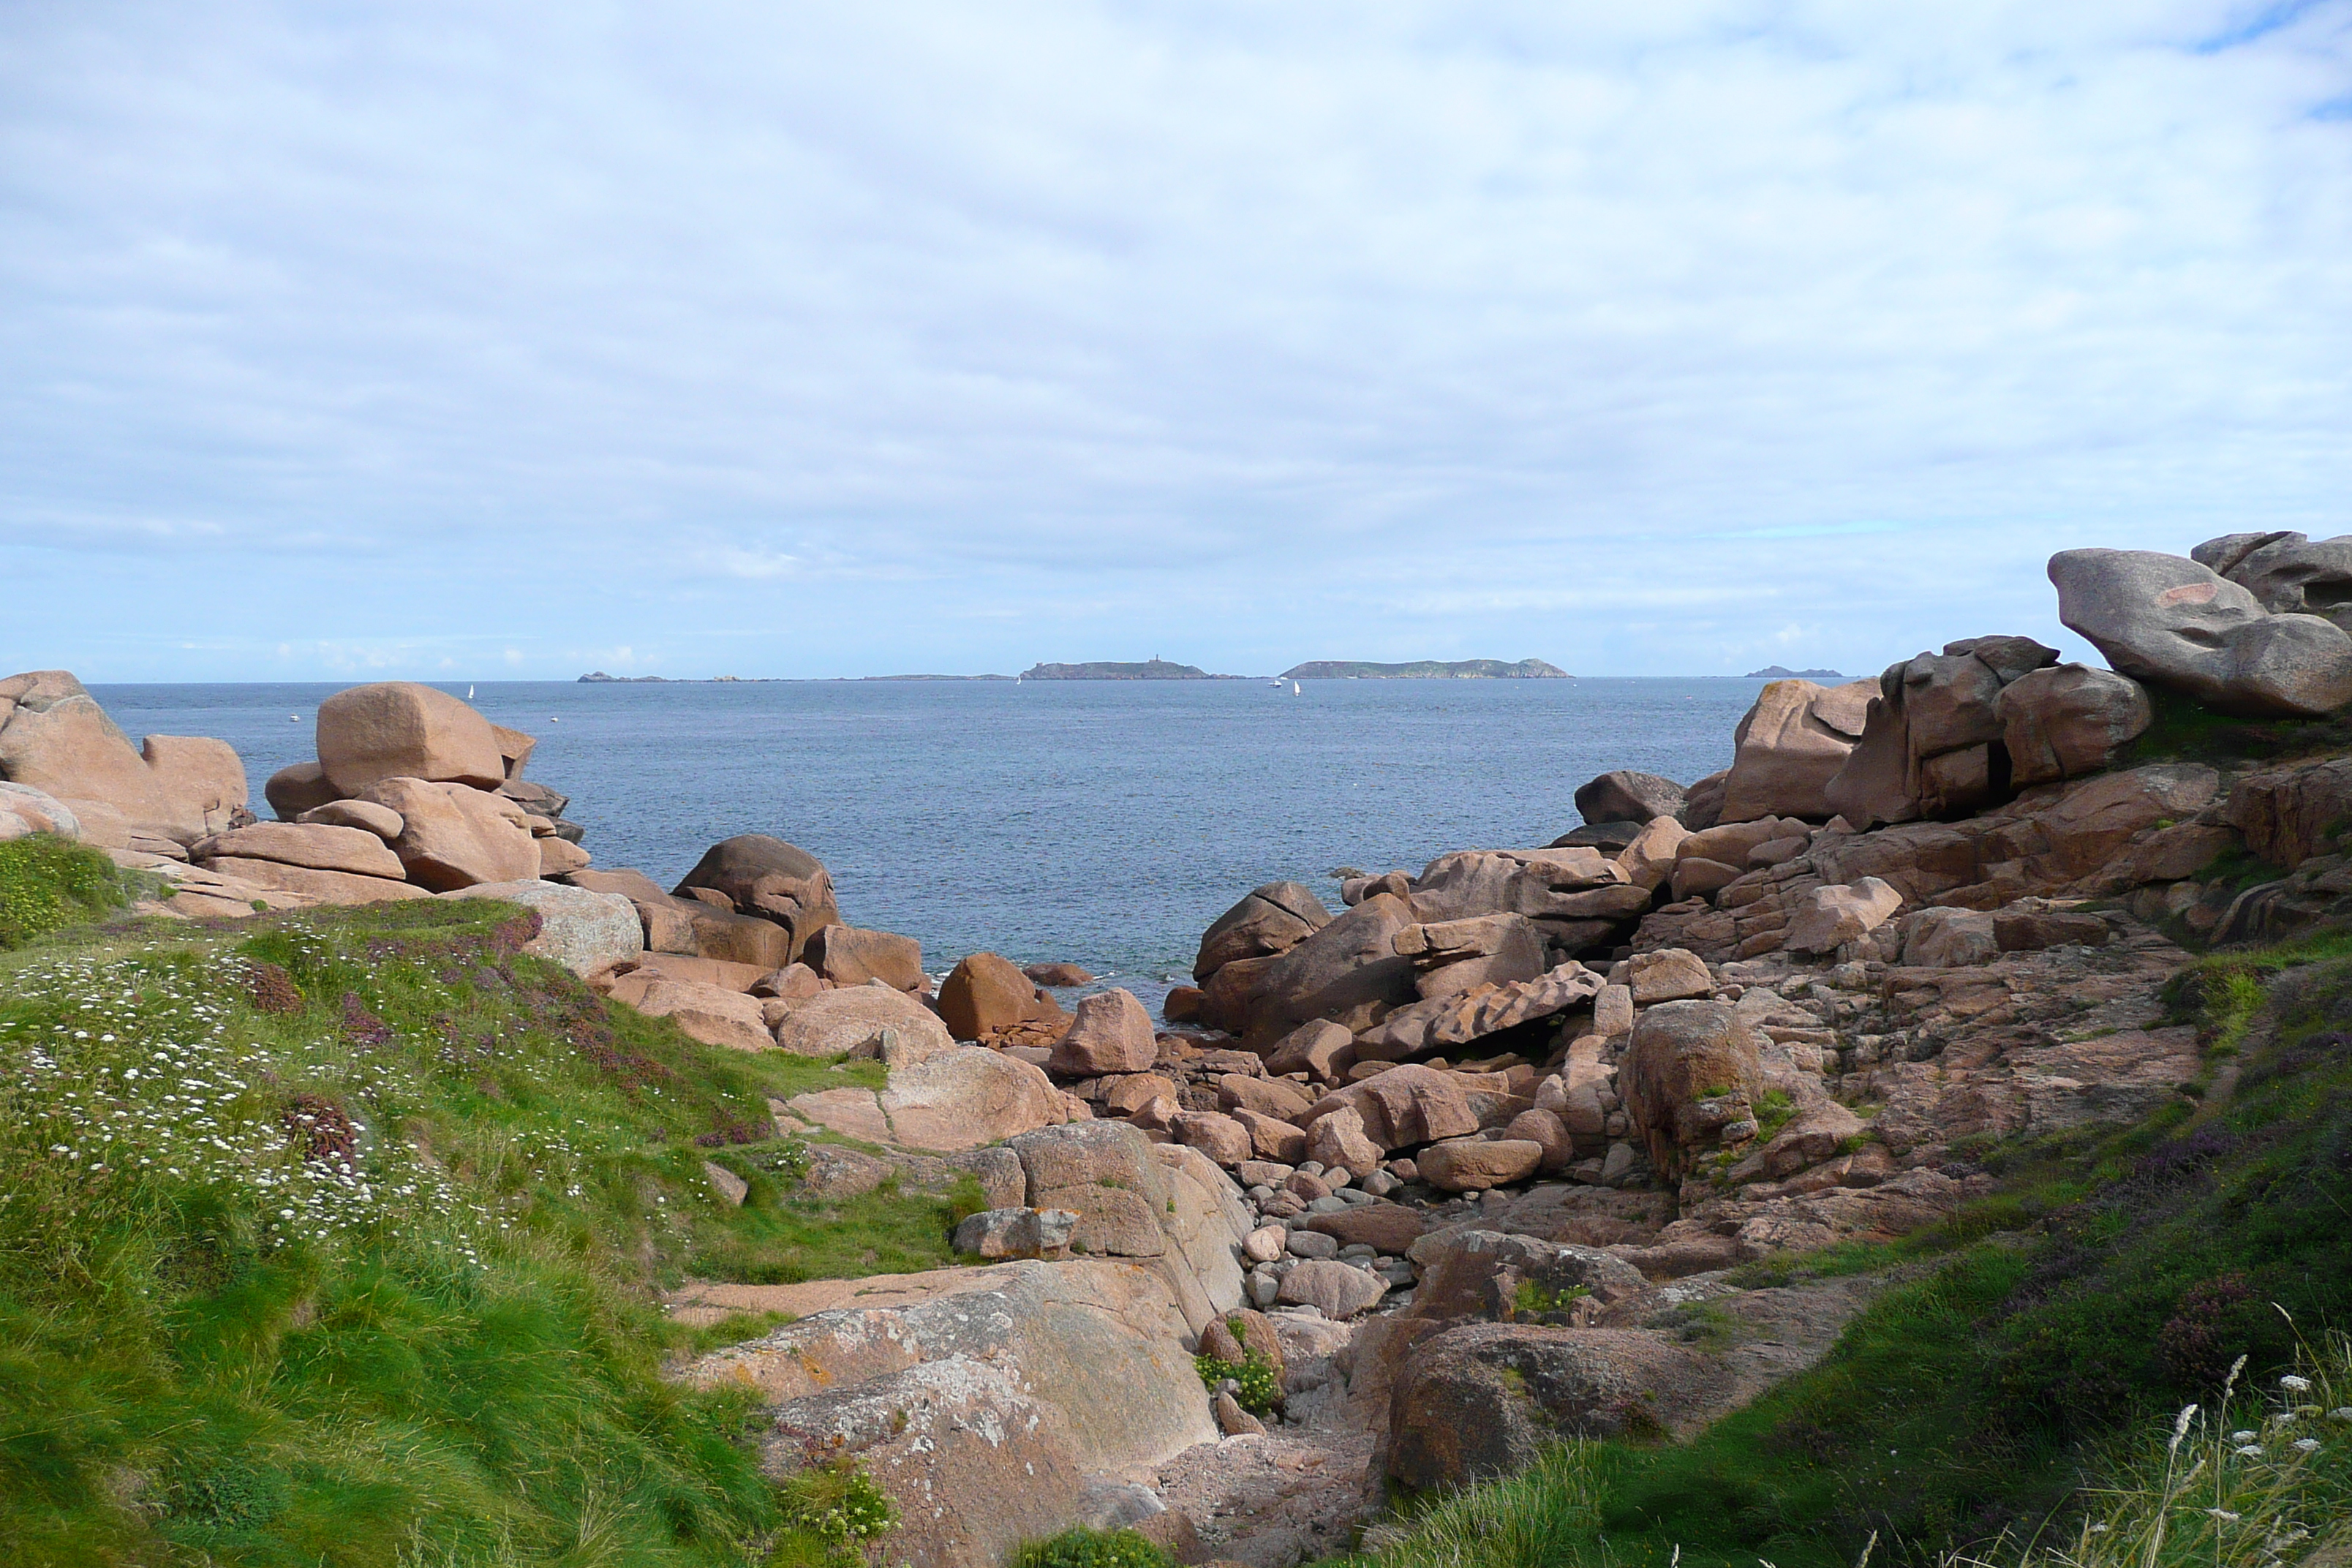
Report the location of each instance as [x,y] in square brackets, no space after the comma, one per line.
[1093,1549]
[1261,1391]
[836,1503]
[48,883]
[1534,1300]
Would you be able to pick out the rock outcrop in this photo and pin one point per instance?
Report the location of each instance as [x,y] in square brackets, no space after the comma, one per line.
[2173,623]
[55,738]
[1787,748]
[939,1097]
[769,879]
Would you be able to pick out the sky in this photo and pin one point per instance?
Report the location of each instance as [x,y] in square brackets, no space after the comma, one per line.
[458,341]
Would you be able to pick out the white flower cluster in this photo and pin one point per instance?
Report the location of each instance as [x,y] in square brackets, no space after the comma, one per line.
[112,1069]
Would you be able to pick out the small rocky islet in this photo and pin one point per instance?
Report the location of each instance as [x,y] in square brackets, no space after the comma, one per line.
[1451,1164]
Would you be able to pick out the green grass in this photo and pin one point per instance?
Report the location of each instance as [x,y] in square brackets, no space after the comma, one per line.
[2186,730]
[47,884]
[332,1239]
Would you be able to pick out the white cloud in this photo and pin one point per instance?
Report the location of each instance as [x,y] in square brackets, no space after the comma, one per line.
[1256,334]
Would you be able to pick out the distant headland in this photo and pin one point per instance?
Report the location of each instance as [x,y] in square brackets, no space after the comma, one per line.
[1425,669]
[1782,672]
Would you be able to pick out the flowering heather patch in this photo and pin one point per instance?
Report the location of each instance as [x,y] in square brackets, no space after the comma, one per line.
[272,989]
[361,1027]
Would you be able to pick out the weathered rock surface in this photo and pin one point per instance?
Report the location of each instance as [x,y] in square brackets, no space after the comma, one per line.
[54,737]
[854,1019]
[1483,1399]
[711,1013]
[1691,1074]
[1829,917]
[298,788]
[1111,1033]
[940,1096]
[586,932]
[317,887]
[1624,795]
[2069,721]
[1010,1383]
[1272,919]
[1402,1107]
[2287,574]
[364,815]
[1342,972]
[1321,1048]
[1473,1165]
[24,810]
[850,955]
[999,1234]
[1455,956]
[317,846]
[1338,1291]
[1789,745]
[984,995]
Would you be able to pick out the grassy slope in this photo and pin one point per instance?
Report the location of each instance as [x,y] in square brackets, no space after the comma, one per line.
[2113,1281]
[367,1279]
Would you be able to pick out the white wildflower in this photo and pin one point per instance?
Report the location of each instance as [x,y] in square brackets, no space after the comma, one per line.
[2250,1451]
[2306,1445]
[2295,1385]
[2243,1436]
[2224,1515]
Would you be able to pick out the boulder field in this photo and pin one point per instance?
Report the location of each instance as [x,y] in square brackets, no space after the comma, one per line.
[1456,1157]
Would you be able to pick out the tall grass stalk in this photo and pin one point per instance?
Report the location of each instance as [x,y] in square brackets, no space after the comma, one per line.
[2265,1481]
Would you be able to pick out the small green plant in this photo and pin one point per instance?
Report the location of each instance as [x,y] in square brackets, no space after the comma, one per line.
[1772,1113]
[1093,1549]
[836,1502]
[1261,1391]
[1535,1300]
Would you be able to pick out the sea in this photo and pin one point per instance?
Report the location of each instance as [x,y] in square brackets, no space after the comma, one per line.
[1101,823]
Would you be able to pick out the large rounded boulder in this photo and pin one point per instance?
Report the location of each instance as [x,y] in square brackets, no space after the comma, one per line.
[2174,624]
[771,879]
[1272,919]
[399,729]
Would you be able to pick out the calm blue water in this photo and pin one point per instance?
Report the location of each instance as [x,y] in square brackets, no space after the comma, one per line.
[1105,823]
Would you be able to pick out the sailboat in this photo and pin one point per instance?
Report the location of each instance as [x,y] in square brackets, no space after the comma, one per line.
[469,693]
[1294,689]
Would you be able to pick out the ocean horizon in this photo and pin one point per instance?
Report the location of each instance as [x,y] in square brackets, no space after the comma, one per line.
[1104,823]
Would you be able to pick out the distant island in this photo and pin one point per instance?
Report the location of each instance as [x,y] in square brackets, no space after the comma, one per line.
[1150,669]
[1426,669]
[1782,672]
[934,677]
